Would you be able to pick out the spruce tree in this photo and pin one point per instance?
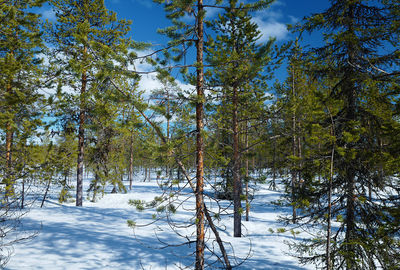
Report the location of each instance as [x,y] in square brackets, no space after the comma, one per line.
[358,65]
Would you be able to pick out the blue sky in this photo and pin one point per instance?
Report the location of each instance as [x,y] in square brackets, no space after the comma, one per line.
[148,16]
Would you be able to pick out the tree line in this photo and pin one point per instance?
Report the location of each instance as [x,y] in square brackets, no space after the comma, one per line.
[328,134]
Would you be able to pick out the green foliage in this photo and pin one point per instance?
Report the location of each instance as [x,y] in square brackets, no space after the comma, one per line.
[131,224]
[21,75]
[171,208]
[160,209]
[280,230]
[351,108]
[240,68]
[139,204]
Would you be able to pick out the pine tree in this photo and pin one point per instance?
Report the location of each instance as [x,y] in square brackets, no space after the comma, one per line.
[167,100]
[240,63]
[20,113]
[89,40]
[20,68]
[300,112]
[185,35]
[195,9]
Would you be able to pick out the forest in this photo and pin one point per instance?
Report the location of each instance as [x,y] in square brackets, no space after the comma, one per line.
[221,131]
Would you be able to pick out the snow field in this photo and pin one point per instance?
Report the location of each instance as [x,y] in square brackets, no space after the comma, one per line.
[96,236]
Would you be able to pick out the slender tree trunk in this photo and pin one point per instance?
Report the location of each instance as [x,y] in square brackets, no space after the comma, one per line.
[294,150]
[96,181]
[131,163]
[81,138]
[9,141]
[273,183]
[237,185]
[319,168]
[23,193]
[200,244]
[168,127]
[145,174]
[350,218]
[329,217]
[350,174]
[47,190]
[247,172]
[9,181]
[208,216]
[300,152]
[350,196]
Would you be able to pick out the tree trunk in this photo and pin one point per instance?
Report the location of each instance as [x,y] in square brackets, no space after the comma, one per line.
[23,193]
[350,218]
[167,174]
[47,190]
[145,174]
[200,244]
[96,180]
[273,183]
[9,139]
[237,185]
[131,163]
[247,173]
[294,150]
[350,174]
[207,214]
[329,217]
[81,139]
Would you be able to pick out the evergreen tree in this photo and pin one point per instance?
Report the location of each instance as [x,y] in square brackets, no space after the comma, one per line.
[89,45]
[184,35]
[239,65]
[300,113]
[20,112]
[359,61]
[20,68]
[166,104]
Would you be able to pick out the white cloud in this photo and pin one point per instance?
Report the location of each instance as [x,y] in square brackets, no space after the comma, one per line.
[293,19]
[48,14]
[271,28]
[278,3]
[212,12]
[273,23]
[149,82]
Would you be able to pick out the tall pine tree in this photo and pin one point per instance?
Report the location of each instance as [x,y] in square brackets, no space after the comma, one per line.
[20,69]
[88,41]
[239,64]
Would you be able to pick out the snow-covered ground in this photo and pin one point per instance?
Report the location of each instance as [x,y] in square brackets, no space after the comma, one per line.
[96,236]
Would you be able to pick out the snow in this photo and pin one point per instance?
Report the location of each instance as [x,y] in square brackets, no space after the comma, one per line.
[96,236]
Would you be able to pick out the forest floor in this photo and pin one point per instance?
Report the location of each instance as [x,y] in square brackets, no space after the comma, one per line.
[96,236]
